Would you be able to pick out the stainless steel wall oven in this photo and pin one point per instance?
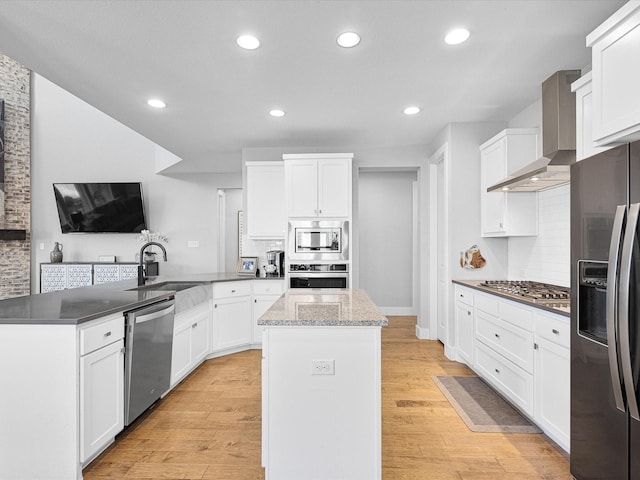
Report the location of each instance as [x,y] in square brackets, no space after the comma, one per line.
[306,275]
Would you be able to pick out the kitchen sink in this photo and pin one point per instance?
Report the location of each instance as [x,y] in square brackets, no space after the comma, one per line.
[170,286]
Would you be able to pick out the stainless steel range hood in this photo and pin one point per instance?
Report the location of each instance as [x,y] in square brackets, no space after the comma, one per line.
[558,139]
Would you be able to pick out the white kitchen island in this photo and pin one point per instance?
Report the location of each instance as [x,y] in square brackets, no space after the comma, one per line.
[321,387]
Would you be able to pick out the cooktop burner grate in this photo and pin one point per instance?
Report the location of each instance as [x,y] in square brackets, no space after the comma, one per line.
[527,289]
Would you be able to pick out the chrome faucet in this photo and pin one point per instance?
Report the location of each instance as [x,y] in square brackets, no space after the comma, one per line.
[141,272]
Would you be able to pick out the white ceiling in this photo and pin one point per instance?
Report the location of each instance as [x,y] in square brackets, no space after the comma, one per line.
[115,54]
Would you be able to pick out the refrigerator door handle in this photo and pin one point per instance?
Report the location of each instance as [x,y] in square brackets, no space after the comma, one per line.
[612,304]
[623,309]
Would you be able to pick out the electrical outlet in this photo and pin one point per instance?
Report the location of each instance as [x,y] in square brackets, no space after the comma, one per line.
[323,367]
[42,246]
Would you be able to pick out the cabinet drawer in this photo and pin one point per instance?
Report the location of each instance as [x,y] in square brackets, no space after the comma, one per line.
[268,287]
[512,342]
[515,315]
[109,330]
[513,382]
[464,295]
[231,289]
[486,303]
[553,329]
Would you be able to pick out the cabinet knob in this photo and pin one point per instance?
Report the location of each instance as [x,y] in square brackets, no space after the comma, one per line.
[233,291]
[194,325]
[497,370]
[108,334]
[557,332]
[215,306]
[497,336]
[468,312]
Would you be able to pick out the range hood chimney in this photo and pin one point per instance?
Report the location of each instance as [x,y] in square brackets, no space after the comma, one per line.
[558,139]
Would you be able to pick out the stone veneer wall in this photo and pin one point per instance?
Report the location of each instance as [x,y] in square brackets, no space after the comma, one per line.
[15,255]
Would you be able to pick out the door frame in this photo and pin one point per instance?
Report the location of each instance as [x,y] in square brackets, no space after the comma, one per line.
[441,156]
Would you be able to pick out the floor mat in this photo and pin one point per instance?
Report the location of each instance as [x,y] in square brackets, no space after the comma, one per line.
[480,407]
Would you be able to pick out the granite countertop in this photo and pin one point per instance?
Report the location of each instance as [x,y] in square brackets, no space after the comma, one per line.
[561,308]
[78,305]
[341,307]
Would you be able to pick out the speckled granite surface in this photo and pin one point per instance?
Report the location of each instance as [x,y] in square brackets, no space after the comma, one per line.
[348,307]
[79,305]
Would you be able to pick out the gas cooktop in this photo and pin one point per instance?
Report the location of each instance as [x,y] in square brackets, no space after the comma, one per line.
[535,291]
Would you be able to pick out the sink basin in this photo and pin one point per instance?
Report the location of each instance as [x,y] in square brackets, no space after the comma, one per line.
[172,286]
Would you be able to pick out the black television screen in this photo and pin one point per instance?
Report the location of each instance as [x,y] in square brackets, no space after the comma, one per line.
[100,207]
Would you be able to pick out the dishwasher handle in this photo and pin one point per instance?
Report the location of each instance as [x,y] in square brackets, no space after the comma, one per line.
[154,315]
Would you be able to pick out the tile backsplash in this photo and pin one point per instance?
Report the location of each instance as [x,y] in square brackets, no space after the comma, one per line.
[259,248]
[546,257]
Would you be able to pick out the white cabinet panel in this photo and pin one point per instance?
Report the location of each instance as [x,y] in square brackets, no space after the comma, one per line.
[465,331]
[511,380]
[101,384]
[616,77]
[265,211]
[191,340]
[585,146]
[504,214]
[233,322]
[318,185]
[301,178]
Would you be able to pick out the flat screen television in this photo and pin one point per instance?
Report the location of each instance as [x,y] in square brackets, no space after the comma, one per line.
[100,207]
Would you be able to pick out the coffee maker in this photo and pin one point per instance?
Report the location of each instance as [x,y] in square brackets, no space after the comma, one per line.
[275,258]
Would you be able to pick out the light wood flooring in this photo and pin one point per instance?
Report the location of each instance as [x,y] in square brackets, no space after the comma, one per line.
[209,426]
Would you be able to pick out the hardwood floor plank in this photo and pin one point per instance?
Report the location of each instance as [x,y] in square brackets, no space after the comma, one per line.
[209,426]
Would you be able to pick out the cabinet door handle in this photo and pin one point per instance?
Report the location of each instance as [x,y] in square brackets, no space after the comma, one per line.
[194,325]
[497,370]
[255,300]
[108,334]
[215,306]
[555,331]
[468,312]
[497,336]
[233,291]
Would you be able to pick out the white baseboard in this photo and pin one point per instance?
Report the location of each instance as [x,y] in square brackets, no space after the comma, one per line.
[422,333]
[399,311]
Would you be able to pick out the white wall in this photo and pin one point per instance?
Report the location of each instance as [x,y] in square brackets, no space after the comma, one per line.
[74,142]
[386,246]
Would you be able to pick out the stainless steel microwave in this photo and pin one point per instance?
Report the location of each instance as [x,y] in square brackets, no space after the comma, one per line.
[318,240]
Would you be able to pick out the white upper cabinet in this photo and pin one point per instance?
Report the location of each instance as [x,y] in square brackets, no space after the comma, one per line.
[506,214]
[615,49]
[265,211]
[318,185]
[585,146]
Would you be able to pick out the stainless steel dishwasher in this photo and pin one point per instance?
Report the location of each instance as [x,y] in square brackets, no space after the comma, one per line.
[148,343]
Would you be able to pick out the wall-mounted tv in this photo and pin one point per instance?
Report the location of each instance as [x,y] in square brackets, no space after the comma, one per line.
[100,207]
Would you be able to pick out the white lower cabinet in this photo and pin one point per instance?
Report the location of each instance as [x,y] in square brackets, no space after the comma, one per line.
[265,294]
[465,324]
[191,339]
[522,352]
[101,385]
[232,319]
[553,370]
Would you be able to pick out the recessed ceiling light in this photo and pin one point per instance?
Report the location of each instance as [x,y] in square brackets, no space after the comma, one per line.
[248,42]
[277,113]
[156,103]
[411,110]
[348,39]
[457,36]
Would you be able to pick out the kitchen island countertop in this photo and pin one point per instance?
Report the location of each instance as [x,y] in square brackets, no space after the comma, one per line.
[78,305]
[342,307]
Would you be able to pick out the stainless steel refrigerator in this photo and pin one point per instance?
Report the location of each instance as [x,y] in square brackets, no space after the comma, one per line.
[605,334]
